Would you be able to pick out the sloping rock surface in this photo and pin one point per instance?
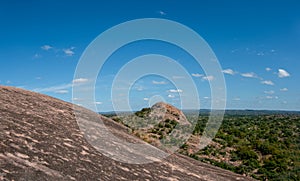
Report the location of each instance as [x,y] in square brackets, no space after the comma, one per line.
[40,140]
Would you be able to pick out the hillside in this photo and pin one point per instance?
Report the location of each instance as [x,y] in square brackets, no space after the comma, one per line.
[40,140]
[261,144]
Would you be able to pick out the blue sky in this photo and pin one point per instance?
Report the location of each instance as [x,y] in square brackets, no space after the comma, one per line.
[256,42]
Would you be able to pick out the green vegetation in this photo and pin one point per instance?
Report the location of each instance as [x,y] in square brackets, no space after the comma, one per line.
[143,113]
[164,128]
[262,146]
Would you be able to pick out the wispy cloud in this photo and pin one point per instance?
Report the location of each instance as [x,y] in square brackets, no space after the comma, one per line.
[159,82]
[249,75]
[251,51]
[267,82]
[76,99]
[57,51]
[229,71]
[62,88]
[69,51]
[284,89]
[237,99]
[98,103]
[55,89]
[271,97]
[162,13]
[80,80]
[268,69]
[197,75]
[269,92]
[61,92]
[175,90]
[260,54]
[208,78]
[139,88]
[46,47]
[146,99]
[283,73]
[171,96]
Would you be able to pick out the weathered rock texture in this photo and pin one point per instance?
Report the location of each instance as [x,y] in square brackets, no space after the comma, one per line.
[167,111]
[40,140]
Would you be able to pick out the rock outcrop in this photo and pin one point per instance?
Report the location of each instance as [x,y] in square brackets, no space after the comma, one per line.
[167,111]
[40,140]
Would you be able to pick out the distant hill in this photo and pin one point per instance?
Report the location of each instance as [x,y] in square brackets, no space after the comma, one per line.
[246,112]
[40,140]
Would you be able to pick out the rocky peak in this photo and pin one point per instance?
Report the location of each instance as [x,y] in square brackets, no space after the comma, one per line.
[166,111]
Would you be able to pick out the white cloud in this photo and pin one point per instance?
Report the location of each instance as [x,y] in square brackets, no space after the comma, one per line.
[146,99]
[206,97]
[268,69]
[283,73]
[53,88]
[46,47]
[229,71]
[260,54]
[69,51]
[269,92]
[171,96]
[175,90]
[267,82]
[269,97]
[61,92]
[80,80]
[66,51]
[139,88]
[208,78]
[76,99]
[98,103]
[61,89]
[197,75]
[162,13]
[159,82]
[249,75]
[284,89]
[237,99]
